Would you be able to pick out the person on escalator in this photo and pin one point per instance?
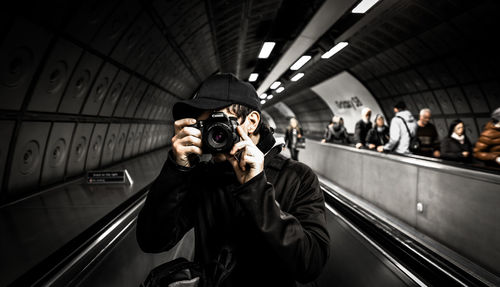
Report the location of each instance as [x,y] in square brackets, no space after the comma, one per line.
[362,127]
[335,132]
[258,217]
[403,127]
[456,146]
[379,134]
[487,147]
[428,135]
[292,135]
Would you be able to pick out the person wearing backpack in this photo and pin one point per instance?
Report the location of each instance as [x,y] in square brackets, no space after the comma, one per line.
[258,217]
[402,129]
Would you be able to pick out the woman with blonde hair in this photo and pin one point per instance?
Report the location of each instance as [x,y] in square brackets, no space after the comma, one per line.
[293,133]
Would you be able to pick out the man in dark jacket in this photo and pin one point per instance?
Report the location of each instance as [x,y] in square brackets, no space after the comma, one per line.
[362,127]
[262,217]
[428,135]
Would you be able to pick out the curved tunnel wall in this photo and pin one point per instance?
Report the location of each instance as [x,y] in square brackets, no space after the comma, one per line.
[435,54]
[450,68]
[87,87]
[346,97]
[308,108]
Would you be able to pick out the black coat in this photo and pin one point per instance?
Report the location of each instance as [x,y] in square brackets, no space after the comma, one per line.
[377,138]
[289,140]
[361,130]
[452,149]
[275,223]
[339,136]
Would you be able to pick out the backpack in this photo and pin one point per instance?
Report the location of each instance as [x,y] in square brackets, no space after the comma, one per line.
[414,140]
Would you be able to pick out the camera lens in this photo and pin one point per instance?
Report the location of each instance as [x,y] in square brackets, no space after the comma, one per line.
[219,136]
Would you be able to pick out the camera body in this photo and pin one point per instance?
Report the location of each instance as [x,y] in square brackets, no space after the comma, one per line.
[218,133]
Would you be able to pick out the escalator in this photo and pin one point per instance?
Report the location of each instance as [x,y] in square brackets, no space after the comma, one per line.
[364,252]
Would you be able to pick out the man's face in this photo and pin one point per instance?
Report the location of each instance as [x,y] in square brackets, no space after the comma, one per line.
[425,118]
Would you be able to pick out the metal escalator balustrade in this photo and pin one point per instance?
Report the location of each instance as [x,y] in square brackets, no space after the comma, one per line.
[424,266]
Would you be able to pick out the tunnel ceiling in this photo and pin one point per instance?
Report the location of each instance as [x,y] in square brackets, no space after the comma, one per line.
[86,84]
[436,54]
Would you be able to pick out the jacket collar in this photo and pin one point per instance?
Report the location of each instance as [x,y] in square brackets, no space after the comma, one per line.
[266,141]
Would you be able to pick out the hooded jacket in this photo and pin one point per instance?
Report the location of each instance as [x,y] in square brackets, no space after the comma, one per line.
[399,138]
[336,134]
[488,146]
[274,225]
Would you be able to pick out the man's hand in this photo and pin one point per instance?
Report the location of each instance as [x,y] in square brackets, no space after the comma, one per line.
[437,153]
[380,148]
[498,159]
[323,141]
[251,158]
[186,141]
[359,145]
[465,153]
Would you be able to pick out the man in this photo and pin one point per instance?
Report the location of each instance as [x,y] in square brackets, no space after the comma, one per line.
[487,147]
[335,132]
[255,213]
[399,141]
[428,135]
[362,127]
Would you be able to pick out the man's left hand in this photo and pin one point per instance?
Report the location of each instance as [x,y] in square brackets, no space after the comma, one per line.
[251,158]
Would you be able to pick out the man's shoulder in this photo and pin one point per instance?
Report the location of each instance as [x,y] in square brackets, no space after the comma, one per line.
[292,166]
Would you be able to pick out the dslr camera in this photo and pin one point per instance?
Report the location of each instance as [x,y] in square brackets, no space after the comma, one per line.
[218,133]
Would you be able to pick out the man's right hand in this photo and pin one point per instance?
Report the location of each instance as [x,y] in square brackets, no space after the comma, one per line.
[498,159]
[186,141]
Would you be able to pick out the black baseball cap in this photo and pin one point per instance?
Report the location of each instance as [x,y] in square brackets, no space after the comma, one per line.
[216,92]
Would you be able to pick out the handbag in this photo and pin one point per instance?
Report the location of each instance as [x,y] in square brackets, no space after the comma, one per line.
[301,142]
[176,273]
[414,140]
[181,272]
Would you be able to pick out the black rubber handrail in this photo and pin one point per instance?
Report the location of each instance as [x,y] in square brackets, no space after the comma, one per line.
[430,267]
[45,271]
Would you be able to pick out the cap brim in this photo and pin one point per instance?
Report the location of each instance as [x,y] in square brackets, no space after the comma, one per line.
[194,107]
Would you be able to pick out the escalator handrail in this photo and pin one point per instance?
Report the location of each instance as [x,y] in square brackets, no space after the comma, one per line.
[86,248]
[426,263]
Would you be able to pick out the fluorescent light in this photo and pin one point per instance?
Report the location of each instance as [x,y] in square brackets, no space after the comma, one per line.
[279,90]
[364,6]
[269,97]
[300,62]
[266,50]
[297,77]
[262,102]
[275,85]
[263,96]
[334,50]
[253,77]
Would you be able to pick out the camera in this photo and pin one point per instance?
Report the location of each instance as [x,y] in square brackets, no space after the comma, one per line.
[218,133]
